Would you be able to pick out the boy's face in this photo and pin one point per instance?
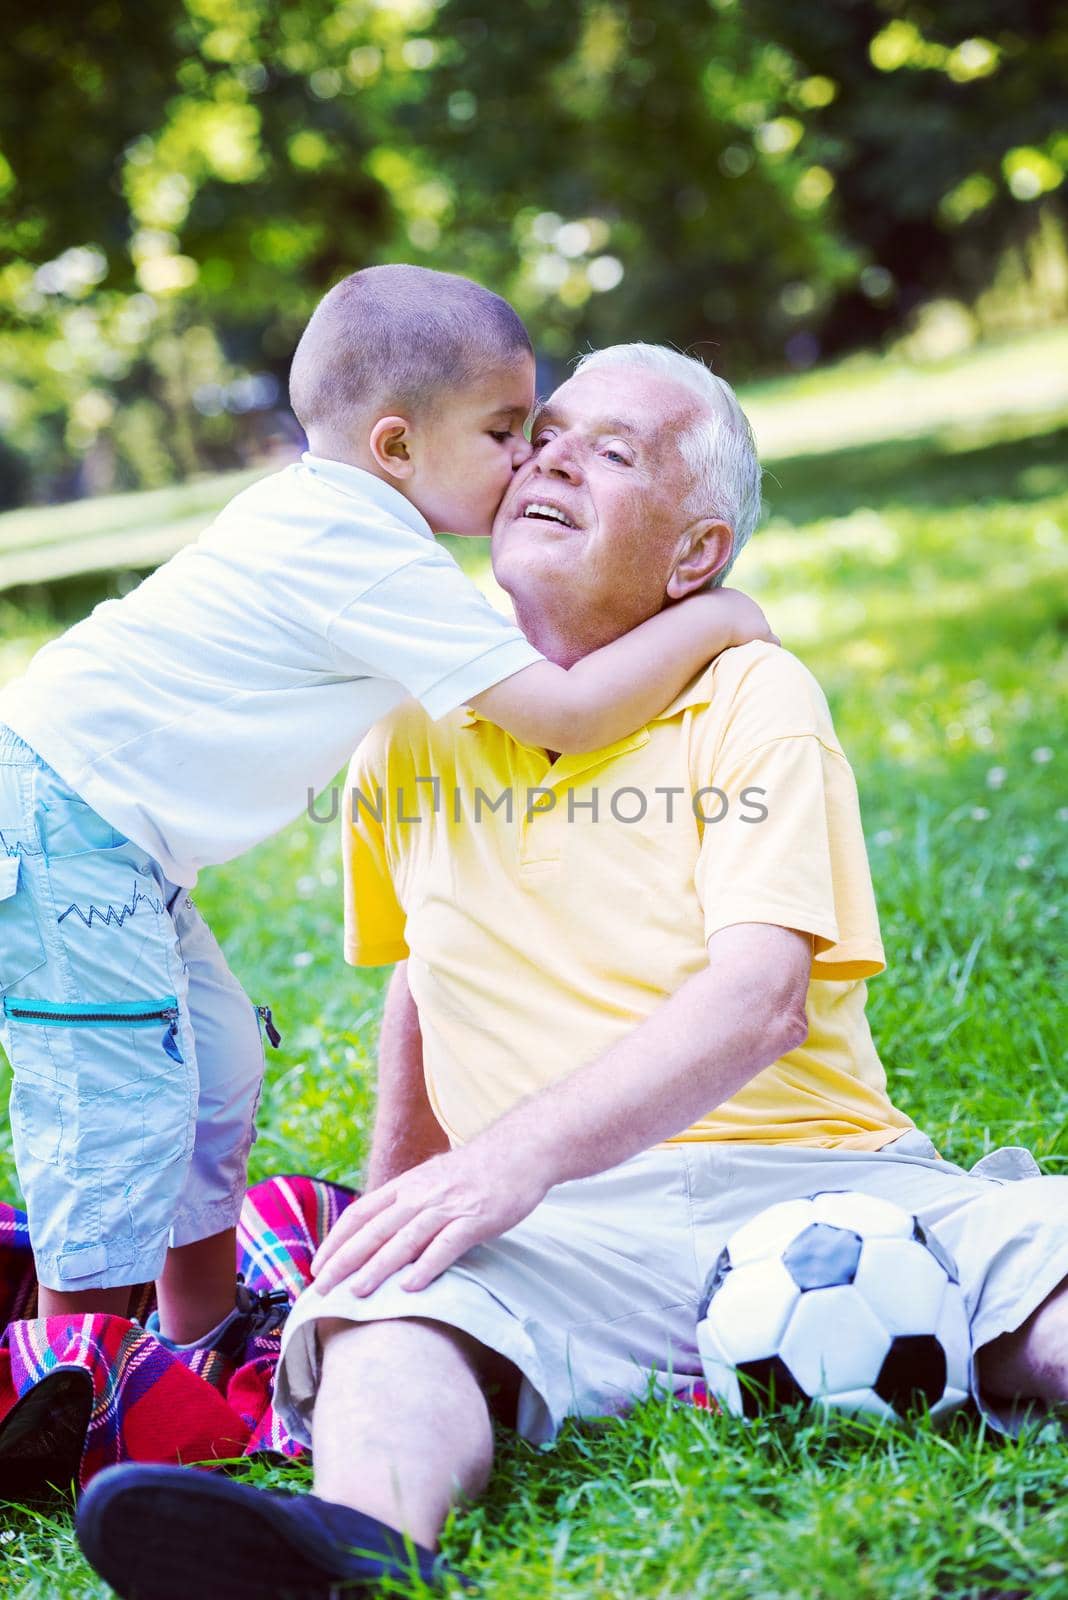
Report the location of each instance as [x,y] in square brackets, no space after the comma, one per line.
[466,455]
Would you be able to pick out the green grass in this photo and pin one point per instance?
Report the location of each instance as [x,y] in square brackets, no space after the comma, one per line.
[923,579]
[40,545]
[867,398]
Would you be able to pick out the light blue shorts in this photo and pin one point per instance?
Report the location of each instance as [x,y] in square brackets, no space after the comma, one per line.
[136,1057]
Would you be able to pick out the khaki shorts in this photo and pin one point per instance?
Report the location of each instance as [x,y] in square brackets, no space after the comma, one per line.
[594,1296]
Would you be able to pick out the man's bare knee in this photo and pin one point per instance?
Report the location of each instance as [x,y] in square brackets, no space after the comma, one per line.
[401,1428]
[416,1344]
[394,1338]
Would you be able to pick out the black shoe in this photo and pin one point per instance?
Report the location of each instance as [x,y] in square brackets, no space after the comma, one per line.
[43,1436]
[257,1314]
[176,1533]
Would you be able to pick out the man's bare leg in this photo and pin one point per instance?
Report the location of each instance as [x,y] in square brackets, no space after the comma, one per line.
[401,1428]
[1031,1362]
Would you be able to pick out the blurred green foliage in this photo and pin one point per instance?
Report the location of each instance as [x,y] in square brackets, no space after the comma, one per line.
[180,183]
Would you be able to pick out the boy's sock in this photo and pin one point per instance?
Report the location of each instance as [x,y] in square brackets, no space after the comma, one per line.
[205,1342]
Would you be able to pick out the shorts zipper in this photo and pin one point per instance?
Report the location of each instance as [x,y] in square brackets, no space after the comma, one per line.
[274,1038]
[128,1013]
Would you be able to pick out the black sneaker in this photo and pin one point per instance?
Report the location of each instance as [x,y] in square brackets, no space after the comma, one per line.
[172,1533]
[42,1438]
[257,1314]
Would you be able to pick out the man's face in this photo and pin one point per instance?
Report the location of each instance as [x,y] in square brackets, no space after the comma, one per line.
[468,453]
[594,520]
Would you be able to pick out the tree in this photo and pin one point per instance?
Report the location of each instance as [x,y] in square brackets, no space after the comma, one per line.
[762,180]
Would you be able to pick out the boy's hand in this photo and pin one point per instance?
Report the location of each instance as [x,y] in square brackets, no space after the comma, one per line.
[742,617]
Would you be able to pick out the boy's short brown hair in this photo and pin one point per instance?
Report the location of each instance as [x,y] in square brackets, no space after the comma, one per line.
[397,339]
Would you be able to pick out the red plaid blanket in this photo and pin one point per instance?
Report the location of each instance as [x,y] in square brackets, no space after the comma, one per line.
[78,1394]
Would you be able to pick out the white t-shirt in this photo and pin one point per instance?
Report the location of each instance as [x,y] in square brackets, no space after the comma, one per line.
[198,713]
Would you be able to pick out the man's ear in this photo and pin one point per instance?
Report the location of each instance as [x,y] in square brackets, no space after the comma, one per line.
[706,549]
[390,444]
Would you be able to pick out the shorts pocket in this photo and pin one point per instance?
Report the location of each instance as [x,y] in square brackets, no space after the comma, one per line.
[67,824]
[127,1100]
[21,948]
[36,1116]
[100,896]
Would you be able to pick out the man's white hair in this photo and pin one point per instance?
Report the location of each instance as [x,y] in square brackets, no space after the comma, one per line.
[719,447]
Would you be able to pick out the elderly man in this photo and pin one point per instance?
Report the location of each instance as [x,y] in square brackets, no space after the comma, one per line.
[628,1013]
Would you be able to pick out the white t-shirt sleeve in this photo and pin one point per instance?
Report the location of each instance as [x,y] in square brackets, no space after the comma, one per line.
[427,627]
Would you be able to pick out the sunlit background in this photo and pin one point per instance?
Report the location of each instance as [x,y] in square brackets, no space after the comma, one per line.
[774,185]
[856,210]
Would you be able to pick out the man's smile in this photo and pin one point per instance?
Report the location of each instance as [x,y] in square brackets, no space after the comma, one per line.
[535,507]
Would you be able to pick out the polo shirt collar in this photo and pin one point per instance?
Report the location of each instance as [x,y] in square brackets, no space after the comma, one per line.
[568,767]
[365,486]
[698,692]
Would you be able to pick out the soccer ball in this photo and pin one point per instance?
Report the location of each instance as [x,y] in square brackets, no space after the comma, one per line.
[842,1300]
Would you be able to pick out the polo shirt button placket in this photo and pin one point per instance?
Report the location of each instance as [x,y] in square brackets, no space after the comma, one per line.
[538,843]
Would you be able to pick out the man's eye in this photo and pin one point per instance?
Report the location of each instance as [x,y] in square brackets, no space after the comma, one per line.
[539,439]
[616,455]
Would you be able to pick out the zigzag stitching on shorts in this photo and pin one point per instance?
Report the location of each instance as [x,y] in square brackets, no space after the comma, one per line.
[113,913]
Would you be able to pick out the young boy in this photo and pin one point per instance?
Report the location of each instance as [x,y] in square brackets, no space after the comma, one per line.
[182,724]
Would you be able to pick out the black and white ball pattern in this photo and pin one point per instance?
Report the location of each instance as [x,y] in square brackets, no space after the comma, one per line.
[843,1300]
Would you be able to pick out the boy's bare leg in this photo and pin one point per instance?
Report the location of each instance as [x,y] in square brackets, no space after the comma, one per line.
[195,1291]
[197,1287]
[401,1428]
[82,1302]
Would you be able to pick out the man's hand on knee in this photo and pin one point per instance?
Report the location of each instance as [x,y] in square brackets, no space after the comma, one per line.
[427,1218]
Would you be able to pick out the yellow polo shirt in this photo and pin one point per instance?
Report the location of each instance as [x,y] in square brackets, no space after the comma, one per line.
[547,909]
